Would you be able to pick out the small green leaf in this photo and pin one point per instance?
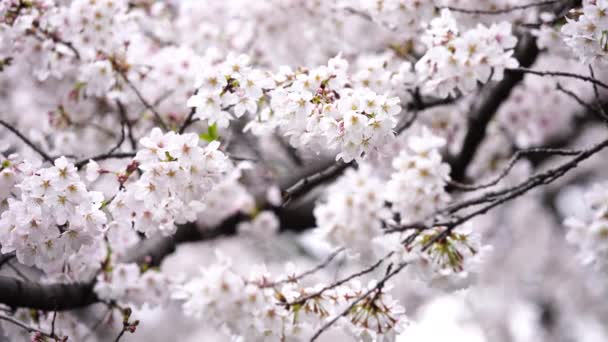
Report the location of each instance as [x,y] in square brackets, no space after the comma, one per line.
[169,157]
[79,85]
[211,134]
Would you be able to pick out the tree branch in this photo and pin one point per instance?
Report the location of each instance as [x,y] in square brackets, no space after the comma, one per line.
[38,150]
[504,10]
[481,117]
[16,293]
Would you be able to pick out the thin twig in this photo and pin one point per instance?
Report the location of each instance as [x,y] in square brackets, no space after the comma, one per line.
[24,326]
[408,122]
[17,271]
[29,143]
[495,198]
[121,139]
[368,17]
[559,74]
[189,119]
[157,116]
[512,161]
[291,151]
[125,119]
[502,10]
[6,258]
[55,38]
[580,101]
[597,95]
[53,323]
[310,182]
[342,281]
[305,274]
[105,156]
[378,287]
[121,334]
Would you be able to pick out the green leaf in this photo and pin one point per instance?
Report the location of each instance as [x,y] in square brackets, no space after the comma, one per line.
[169,157]
[211,134]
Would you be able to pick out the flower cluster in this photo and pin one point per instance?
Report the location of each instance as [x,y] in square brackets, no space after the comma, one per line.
[459,60]
[406,15]
[362,201]
[591,235]
[12,171]
[316,108]
[227,198]
[97,77]
[383,73]
[417,185]
[587,35]
[460,252]
[440,260]
[353,212]
[99,27]
[232,84]
[169,81]
[55,36]
[457,316]
[262,306]
[360,121]
[44,56]
[85,79]
[127,284]
[54,219]
[177,173]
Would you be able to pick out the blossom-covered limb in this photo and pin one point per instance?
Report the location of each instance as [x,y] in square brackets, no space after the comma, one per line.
[519,154]
[483,114]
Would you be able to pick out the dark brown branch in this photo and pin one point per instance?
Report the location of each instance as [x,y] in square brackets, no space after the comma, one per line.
[368,17]
[592,80]
[56,39]
[296,278]
[596,92]
[591,109]
[340,282]
[534,181]
[390,273]
[38,150]
[16,293]
[577,128]
[503,10]
[420,103]
[104,156]
[290,151]
[512,161]
[125,119]
[495,198]
[189,119]
[308,183]
[6,258]
[478,121]
[157,116]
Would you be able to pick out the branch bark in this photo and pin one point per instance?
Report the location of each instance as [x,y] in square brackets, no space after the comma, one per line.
[478,121]
[17,293]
